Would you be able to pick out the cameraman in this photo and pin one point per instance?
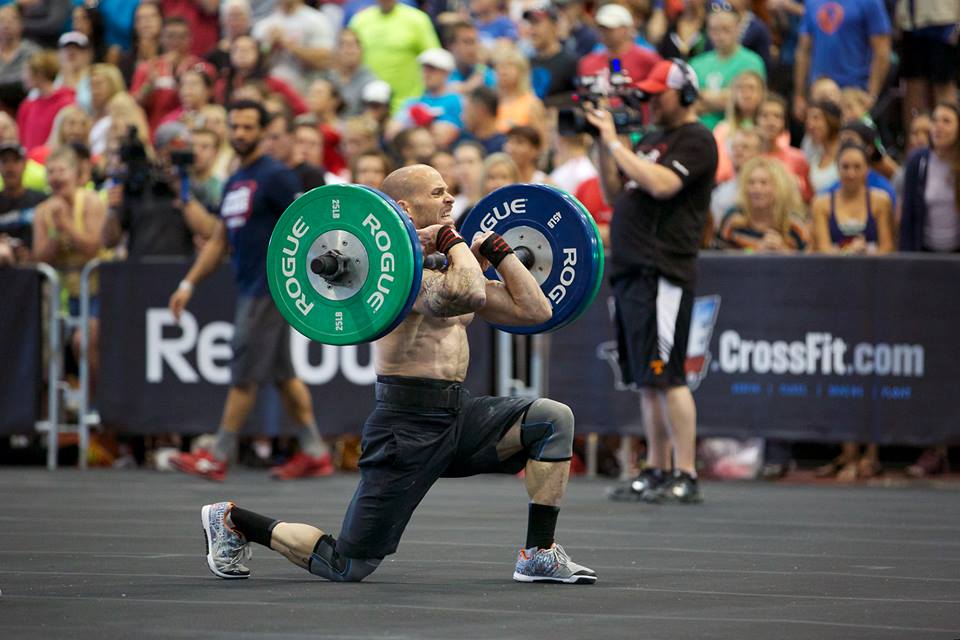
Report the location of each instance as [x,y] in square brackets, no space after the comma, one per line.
[147,203]
[662,198]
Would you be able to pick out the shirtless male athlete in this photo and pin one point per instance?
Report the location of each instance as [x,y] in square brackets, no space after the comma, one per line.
[425,425]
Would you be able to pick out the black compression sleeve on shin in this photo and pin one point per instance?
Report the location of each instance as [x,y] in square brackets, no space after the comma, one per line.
[541,525]
[253,526]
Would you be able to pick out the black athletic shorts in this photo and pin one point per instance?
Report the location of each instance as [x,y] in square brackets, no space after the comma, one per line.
[653,327]
[420,430]
[261,343]
[928,58]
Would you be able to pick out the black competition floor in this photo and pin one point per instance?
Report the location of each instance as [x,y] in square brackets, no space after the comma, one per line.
[117,554]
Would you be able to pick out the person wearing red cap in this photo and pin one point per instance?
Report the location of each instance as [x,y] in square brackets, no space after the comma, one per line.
[661,195]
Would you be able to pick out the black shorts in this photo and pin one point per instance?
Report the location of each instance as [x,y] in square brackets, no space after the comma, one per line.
[653,326]
[929,58]
[419,431]
[261,343]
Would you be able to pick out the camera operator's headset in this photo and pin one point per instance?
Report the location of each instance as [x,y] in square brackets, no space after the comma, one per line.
[689,92]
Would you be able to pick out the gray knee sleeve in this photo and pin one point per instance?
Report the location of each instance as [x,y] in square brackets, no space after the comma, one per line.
[327,563]
[546,431]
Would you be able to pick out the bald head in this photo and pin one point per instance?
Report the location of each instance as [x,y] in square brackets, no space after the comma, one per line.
[406,182]
[420,191]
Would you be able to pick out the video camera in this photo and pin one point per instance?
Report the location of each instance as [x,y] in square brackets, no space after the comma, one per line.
[136,168]
[616,86]
[138,171]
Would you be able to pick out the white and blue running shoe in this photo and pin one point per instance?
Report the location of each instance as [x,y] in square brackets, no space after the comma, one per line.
[551,565]
[226,548]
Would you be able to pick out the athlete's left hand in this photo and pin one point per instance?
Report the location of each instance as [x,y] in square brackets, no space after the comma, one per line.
[478,239]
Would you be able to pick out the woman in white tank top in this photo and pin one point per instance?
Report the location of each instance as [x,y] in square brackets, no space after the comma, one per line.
[823,129]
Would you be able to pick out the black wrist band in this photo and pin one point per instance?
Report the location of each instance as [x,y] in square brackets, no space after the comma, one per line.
[447,238]
[495,249]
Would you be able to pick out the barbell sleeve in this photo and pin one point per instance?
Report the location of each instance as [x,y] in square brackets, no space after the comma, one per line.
[325,265]
[525,256]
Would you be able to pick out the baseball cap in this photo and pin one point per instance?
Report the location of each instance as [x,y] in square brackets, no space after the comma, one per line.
[437,58]
[422,115]
[376,92]
[613,16]
[75,38]
[667,74]
[538,13]
[867,132]
[15,147]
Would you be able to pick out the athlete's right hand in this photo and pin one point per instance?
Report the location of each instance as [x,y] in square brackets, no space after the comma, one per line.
[178,302]
[428,238]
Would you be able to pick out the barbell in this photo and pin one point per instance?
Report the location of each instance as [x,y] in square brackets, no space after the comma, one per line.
[344,264]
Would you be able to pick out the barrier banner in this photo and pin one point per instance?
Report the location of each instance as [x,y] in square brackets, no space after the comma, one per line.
[800,348]
[20,332]
[158,376]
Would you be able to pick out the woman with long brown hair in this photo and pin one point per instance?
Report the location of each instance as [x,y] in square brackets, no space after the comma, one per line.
[854,218]
[931,198]
[247,66]
[147,24]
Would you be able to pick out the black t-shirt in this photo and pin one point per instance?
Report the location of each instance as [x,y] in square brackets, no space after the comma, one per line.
[16,214]
[668,45]
[666,234]
[154,226]
[553,75]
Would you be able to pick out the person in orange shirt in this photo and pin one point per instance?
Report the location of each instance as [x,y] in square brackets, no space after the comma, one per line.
[518,104]
[772,121]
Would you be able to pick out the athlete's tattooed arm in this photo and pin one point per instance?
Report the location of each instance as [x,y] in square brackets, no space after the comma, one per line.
[454,292]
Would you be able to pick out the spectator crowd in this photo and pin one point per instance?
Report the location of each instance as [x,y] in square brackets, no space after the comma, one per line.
[837,122]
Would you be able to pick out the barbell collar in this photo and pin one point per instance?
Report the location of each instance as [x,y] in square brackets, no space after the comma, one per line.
[331,266]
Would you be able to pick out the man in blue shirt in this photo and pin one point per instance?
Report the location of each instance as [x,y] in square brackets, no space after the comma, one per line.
[493,27]
[847,41]
[253,199]
[468,73]
[438,108]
